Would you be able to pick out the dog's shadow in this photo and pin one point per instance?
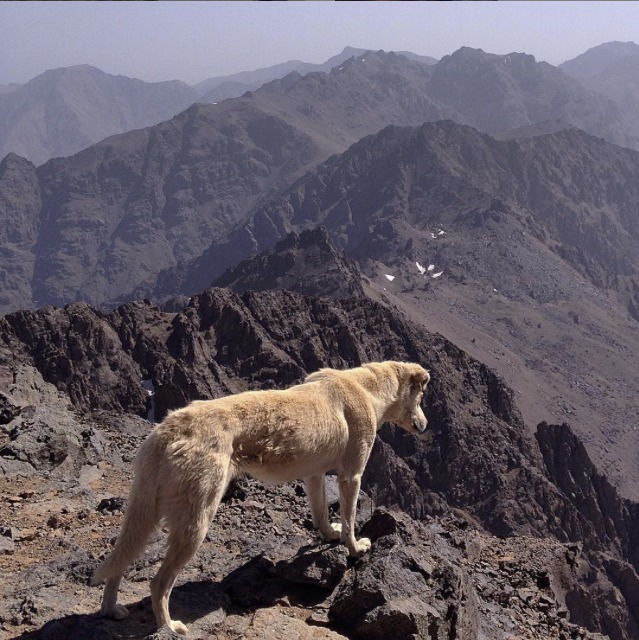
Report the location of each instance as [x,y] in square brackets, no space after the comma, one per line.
[201,605]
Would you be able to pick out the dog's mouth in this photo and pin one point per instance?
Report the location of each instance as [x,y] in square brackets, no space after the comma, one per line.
[419,426]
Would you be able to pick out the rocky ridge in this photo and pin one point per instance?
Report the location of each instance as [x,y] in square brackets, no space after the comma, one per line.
[306,263]
[478,475]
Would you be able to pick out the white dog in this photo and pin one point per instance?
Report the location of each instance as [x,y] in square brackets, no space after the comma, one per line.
[183,468]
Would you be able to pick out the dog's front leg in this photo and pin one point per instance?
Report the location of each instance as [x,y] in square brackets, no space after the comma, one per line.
[316,492]
[348,493]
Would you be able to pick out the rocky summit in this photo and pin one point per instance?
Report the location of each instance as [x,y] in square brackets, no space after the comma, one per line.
[479,530]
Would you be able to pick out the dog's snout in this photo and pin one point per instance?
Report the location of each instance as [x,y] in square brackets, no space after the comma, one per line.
[419,424]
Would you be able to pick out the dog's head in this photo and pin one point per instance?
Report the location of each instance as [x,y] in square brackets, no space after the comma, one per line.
[407,411]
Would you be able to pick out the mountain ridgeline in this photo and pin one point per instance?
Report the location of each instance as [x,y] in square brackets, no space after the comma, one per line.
[65,110]
[568,193]
[111,219]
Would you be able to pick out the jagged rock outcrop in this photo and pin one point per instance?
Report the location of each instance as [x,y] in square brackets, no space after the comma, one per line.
[77,350]
[306,263]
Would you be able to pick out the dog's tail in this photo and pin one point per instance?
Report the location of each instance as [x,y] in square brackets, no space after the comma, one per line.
[140,519]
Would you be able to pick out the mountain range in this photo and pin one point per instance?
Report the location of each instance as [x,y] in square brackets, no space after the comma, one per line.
[186,183]
[65,110]
[540,220]
[478,214]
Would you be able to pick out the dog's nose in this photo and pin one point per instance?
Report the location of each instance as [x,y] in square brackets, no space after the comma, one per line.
[420,425]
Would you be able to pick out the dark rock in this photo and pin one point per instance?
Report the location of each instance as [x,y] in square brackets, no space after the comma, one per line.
[390,592]
[6,541]
[109,505]
[323,568]
[8,410]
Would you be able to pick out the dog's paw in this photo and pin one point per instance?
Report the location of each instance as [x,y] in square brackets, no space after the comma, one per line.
[118,612]
[178,627]
[334,532]
[361,547]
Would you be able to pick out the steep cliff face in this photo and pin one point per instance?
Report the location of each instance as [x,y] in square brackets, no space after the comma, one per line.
[600,519]
[19,227]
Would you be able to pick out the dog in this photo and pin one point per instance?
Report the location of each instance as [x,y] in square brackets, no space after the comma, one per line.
[328,422]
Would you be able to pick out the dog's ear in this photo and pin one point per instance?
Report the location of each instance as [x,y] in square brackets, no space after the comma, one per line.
[419,379]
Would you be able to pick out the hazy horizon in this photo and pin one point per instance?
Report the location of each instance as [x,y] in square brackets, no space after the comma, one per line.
[193,41]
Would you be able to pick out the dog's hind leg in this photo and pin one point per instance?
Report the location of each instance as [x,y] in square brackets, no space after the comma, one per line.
[140,519]
[131,541]
[316,492]
[188,523]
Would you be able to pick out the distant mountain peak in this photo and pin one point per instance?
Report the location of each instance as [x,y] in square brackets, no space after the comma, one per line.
[76,69]
[65,110]
[596,60]
[353,51]
[471,54]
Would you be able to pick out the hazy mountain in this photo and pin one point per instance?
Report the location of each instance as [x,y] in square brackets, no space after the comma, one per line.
[532,130]
[596,61]
[497,92]
[134,213]
[64,110]
[116,214]
[236,84]
[8,88]
[620,81]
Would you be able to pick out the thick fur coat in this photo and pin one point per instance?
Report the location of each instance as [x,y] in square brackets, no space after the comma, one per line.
[182,470]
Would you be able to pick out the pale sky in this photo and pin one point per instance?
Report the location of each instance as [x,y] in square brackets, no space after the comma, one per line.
[193,41]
